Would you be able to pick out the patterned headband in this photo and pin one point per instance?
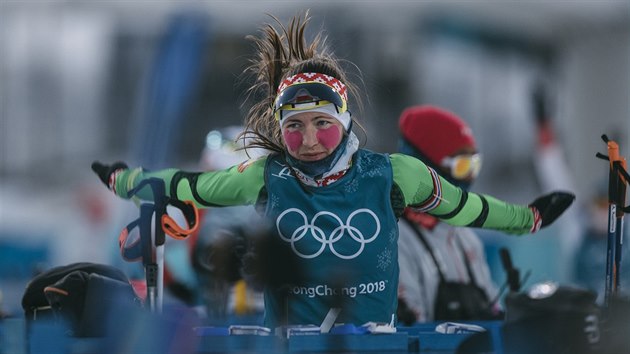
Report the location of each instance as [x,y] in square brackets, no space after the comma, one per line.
[303,78]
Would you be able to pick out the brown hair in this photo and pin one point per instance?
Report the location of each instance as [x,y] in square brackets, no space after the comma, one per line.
[281,54]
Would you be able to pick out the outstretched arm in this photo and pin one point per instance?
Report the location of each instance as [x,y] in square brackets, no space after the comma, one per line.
[237,185]
[426,191]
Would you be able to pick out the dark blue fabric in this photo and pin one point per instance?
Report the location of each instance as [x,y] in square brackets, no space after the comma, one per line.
[345,237]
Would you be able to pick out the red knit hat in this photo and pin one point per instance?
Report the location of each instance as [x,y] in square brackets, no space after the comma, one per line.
[435,132]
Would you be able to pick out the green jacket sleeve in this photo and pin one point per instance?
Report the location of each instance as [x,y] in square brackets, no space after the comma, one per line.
[237,185]
[426,191]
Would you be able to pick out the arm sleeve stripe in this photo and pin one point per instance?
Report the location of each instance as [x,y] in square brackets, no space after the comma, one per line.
[174,182]
[478,222]
[192,179]
[434,200]
[455,211]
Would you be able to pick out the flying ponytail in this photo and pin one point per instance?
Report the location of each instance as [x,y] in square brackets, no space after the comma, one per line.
[279,54]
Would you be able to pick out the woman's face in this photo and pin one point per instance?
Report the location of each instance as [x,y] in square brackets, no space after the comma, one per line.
[311,136]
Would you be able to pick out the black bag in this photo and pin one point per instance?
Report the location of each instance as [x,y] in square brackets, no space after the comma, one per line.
[458,301]
[563,319]
[461,302]
[81,296]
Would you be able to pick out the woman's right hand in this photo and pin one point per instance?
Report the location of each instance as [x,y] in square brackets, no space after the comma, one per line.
[105,172]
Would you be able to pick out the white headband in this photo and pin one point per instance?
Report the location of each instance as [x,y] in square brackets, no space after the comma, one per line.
[329,109]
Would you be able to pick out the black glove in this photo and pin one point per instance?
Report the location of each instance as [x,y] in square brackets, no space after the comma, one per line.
[105,171]
[552,205]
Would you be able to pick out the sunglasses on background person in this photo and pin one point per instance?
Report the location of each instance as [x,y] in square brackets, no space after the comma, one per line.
[462,166]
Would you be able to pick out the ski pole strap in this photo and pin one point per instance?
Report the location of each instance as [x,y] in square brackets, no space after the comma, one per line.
[161,202]
[157,188]
[134,240]
[129,247]
[191,214]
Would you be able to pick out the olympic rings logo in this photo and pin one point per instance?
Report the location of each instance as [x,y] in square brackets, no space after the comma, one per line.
[310,228]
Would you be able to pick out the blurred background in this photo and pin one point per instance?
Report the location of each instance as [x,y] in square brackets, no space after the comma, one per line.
[145,81]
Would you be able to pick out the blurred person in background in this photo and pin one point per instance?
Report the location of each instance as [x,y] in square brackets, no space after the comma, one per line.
[218,247]
[333,207]
[444,274]
[205,270]
[552,171]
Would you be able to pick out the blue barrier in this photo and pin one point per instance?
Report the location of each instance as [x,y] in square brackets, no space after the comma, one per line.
[422,338]
[241,344]
[326,343]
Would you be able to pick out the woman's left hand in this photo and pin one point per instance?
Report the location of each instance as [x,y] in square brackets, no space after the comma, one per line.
[552,205]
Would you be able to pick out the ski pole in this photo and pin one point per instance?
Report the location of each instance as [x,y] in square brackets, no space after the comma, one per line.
[620,166]
[150,268]
[613,155]
[617,179]
[150,237]
[158,239]
[158,242]
[150,248]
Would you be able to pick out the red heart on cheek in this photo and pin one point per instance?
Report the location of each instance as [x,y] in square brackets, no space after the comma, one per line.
[329,137]
[292,139]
